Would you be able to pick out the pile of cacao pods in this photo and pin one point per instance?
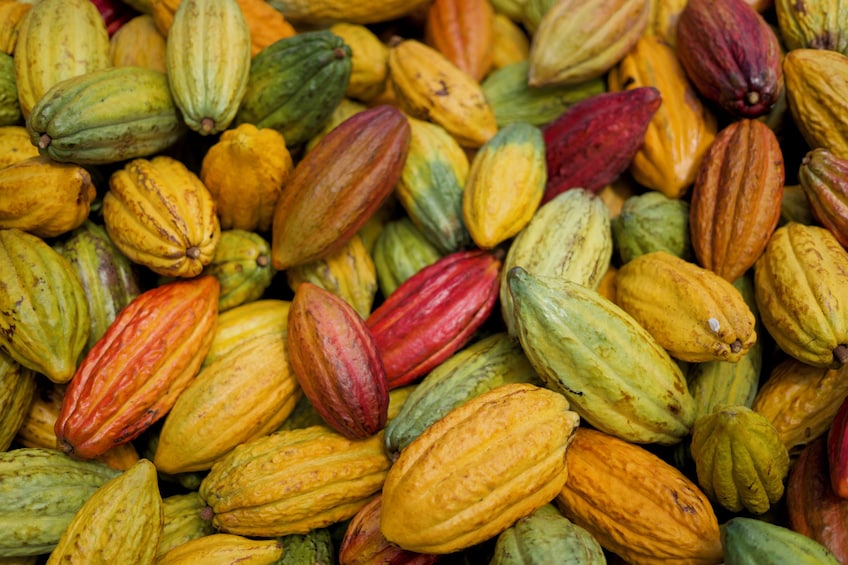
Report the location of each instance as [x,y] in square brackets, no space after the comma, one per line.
[420,281]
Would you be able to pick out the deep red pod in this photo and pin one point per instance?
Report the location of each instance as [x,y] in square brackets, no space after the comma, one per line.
[434,313]
[335,359]
[837,452]
[364,543]
[813,508]
[115,13]
[731,55]
[133,375]
[595,140]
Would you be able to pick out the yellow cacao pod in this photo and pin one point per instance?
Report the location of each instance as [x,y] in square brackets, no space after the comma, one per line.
[215,549]
[15,145]
[369,62]
[478,469]
[139,43]
[12,14]
[692,312]
[160,215]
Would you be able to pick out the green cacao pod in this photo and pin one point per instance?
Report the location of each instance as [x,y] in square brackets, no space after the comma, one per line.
[10,109]
[315,547]
[431,185]
[57,40]
[748,541]
[295,84]
[546,536]
[208,61]
[108,277]
[183,520]
[514,100]
[813,25]
[242,265]
[740,459]
[95,119]
[611,370]
[568,238]
[44,319]
[17,391]
[40,492]
[652,222]
[400,251]
[122,520]
[473,370]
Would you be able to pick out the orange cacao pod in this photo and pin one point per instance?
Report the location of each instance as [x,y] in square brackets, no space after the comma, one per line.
[338,186]
[336,361]
[133,375]
[824,179]
[463,31]
[813,508]
[434,313]
[736,199]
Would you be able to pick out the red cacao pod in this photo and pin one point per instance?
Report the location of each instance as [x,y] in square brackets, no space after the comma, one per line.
[595,140]
[339,185]
[824,179]
[336,361]
[813,508]
[115,13]
[434,313]
[364,544]
[133,375]
[736,198]
[837,451]
[731,55]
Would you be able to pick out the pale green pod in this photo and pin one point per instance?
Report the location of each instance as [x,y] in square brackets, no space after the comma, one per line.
[568,238]
[748,541]
[400,251]
[208,60]
[652,221]
[612,371]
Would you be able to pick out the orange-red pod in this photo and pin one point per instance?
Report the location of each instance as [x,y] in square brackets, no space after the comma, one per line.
[824,179]
[434,313]
[813,508]
[464,32]
[364,544]
[132,375]
[336,361]
[837,451]
[736,198]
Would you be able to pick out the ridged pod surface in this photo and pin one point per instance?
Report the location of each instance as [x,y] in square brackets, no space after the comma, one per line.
[568,238]
[208,62]
[824,180]
[224,548]
[17,393]
[431,185]
[682,129]
[801,284]
[735,204]
[741,461]
[108,277]
[251,390]
[400,251]
[43,197]
[329,11]
[470,475]
[41,490]
[253,319]
[95,119]
[546,536]
[578,41]
[44,317]
[338,186]
[637,505]
[434,313]
[649,222]
[336,360]
[133,375]
[292,482]
[813,25]
[122,520]
[462,31]
[505,184]
[477,368]
[692,312]
[182,521]
[161,216]
[242,265]
[138,43]
[369,57]
[57,40]
[731,55]
[748,541]
[614,374]
[428,86]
